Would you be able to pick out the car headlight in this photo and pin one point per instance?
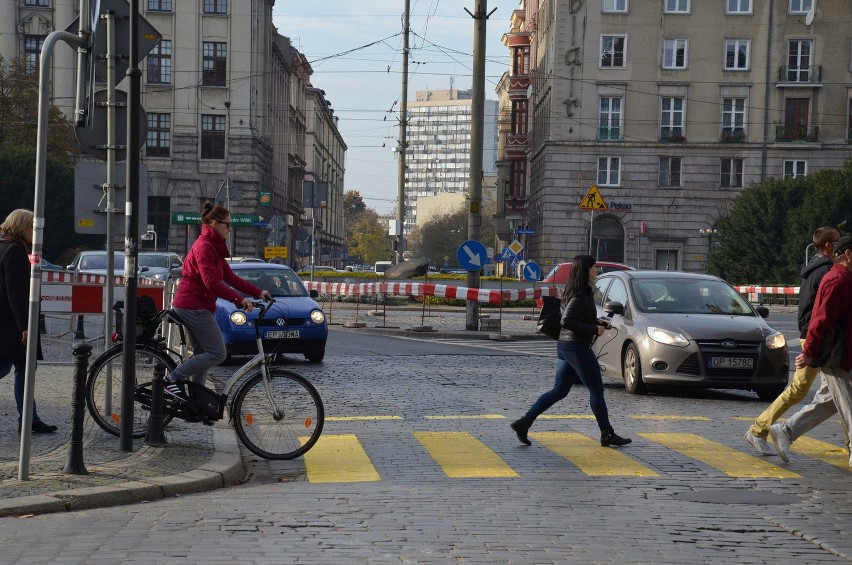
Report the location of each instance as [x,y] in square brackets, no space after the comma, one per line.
[317,316]
[238,318]
[775,340]
[665,336]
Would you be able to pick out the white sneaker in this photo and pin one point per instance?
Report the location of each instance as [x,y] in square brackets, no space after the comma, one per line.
[780,441]
[759,443]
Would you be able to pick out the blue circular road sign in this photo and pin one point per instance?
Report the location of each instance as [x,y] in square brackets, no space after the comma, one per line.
[532,272]
[472,255]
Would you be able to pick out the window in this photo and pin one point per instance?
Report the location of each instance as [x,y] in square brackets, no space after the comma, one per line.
[738,7]
[732,173]
[671,119]
[214,63]
[674,53]
[159,141]
[612,50]
[800,6]
[609,171]
[520,60]
[44,3]
[795,168]
[796,115]
[215,6]
[160,63]
[610,119]
[670,171]
[519,117]
[159,5]
[733,119]
[799,60]
[736,54]
[212,136]
[615,5]
[32,52]
[676,7]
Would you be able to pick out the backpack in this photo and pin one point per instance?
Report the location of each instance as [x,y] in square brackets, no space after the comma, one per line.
[146,317]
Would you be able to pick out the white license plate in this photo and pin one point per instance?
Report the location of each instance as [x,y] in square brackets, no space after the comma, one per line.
[288,334]
[730,363]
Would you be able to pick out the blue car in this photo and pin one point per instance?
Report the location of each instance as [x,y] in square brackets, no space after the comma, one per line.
[294,324]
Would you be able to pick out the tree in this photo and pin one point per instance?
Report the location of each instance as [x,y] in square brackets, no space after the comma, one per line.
[441,236]
[369,239]
[763,239]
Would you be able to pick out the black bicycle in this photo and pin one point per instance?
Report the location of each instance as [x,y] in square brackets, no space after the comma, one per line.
[277,414]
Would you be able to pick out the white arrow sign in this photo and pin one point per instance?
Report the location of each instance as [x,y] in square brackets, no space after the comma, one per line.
[473,257]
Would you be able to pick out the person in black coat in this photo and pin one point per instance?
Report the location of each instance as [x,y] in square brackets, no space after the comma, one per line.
[580,327]
[15,237]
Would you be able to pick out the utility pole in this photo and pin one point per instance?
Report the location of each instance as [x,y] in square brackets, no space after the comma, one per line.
[403,140]
[477,127]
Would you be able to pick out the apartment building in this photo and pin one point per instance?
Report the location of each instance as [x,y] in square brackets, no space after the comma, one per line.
[226,98]
[438,155]
[670,107]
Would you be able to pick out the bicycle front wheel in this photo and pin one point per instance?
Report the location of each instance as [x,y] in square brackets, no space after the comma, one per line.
[289,433]
[105,381]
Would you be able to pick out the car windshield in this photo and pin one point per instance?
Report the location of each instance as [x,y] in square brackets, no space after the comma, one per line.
[157,261]
[98,262]
[689,296]
[279,282]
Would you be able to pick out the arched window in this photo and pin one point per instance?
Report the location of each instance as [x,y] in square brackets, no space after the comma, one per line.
[608,239]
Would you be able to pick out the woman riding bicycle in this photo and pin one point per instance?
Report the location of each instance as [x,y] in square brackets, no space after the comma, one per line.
[207,276]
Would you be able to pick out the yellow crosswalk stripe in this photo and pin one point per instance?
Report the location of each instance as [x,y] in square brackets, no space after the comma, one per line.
[462,456]
[468,417]
[730,461]
[587,454]
[339,458]
[823,451]
[667,417]
[360,418]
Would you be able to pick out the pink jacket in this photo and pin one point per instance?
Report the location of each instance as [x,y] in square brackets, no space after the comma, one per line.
[207,275]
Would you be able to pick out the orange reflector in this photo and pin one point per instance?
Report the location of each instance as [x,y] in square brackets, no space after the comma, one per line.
[308,422]
[249,419]
[115,418]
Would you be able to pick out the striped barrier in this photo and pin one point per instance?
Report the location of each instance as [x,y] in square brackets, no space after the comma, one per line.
[747,289]
[70,293]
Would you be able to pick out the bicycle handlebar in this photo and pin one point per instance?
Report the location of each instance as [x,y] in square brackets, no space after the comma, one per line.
[262,306]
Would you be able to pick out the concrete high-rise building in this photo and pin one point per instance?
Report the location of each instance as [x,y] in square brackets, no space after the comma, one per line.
[671,108]
[438,155]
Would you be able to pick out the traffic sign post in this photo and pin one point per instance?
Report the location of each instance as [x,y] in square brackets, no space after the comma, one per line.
[593,200]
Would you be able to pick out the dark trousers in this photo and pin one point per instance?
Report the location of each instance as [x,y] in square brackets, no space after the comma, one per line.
[20,366]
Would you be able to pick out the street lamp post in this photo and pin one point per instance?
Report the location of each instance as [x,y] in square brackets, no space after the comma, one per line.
[708,233]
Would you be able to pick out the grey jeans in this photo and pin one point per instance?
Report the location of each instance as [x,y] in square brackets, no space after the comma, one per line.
[833,396]
[208,347]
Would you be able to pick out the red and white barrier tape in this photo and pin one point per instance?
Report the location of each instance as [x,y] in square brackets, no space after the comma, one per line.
[747,289]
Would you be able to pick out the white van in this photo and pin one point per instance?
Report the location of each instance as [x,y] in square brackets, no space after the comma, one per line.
[381,266]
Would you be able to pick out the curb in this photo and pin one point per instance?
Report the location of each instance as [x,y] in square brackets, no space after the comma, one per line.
[224,468]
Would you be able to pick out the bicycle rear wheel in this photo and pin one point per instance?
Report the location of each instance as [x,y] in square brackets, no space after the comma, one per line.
[104,386]
[288,434]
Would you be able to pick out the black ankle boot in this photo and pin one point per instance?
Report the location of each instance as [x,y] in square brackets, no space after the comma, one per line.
[609,437]
[521,427]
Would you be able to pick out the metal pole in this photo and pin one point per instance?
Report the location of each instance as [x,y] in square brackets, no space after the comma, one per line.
[403,140]
[45,62]
[477,127]
[131,232]
[74,463]
[84,33]
[109,187]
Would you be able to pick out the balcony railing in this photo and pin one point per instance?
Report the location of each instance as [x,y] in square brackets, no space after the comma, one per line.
[516,203]
[791,133]
[672,135]
[607,133]
[800,74]
[733,135]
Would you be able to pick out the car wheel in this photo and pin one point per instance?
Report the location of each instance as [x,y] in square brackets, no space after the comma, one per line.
[631,370]
[769,393]
[315,356]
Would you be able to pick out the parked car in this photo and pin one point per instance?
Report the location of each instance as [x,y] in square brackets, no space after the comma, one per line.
[95,263]
[294,324]
[687,329]
[160,265]
[245,260]
[48,266]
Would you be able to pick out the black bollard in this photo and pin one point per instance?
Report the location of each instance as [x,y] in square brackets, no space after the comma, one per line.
[79,333]
[74,464]
[155,435]
[42,326]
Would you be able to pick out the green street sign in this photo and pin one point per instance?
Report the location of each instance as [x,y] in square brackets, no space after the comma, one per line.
[194,218]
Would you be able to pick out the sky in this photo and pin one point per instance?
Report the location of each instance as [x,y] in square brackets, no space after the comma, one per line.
[355,50]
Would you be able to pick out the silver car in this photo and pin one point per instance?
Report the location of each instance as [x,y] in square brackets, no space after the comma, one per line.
[687,329]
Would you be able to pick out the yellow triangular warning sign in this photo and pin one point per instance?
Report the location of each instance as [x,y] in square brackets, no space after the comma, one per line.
[593,200]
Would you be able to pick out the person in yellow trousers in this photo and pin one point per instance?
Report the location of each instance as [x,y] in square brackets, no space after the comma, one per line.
[824,239]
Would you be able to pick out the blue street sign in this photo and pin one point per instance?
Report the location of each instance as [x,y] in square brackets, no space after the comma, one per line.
[525,231]
[532,272]
[507,254]
[498,258]
[471,255]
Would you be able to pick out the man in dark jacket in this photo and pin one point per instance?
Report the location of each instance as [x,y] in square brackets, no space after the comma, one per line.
[15,235]
[828,344]
[823,239]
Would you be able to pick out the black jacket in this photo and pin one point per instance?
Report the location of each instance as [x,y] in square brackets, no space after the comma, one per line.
[812,274]
[14,296]
[579,318]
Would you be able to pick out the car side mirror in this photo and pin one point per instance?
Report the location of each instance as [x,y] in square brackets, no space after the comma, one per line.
[143,269]
[314,293]
[69,267]
[763,311]
[612,308]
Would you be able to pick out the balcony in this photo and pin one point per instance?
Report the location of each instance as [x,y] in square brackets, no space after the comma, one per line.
[515,204]
[672,135]
[795,133]
[733,135]
[800,75]
[607,133]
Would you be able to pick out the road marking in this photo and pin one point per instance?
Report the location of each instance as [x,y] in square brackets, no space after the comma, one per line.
[539,348]
[462,456]
[339,459]
[468,417]
[587,454]
[828,452]
[566,417]
[667,417]
[730,461]
[360,418]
